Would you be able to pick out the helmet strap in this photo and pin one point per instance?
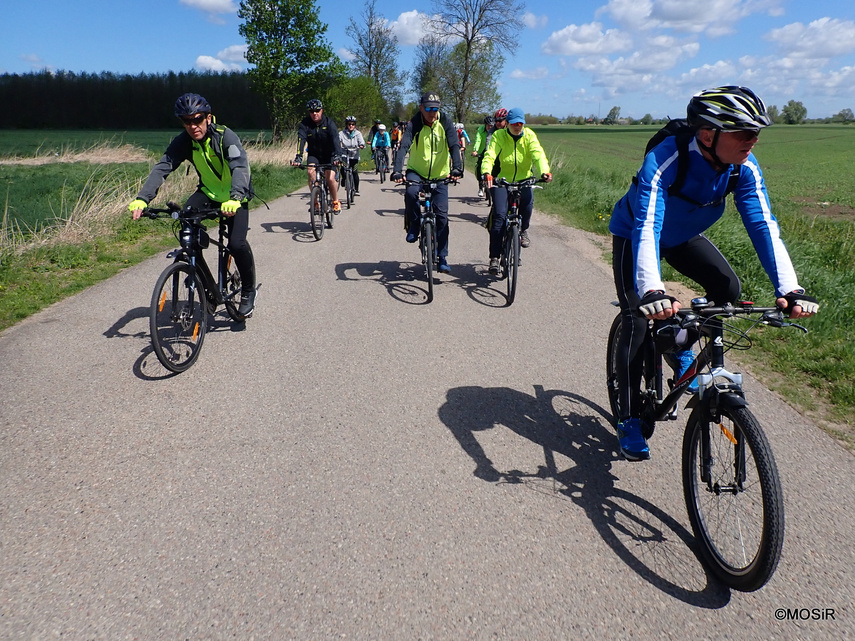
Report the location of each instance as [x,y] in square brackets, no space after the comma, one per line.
[717,163]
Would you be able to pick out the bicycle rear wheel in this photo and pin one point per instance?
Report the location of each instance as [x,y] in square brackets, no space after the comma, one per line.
[512,261]
[428,256]
[734,497]
[178,317]
[382,171]
[347,183]
[328,208]
[232,289]
[317,216]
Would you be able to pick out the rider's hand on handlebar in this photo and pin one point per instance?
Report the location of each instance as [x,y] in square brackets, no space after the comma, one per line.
[136,207]
[547,177]
[397,177]
[456,173]
[230,207]
[798,304]
[657,305]
[298,160]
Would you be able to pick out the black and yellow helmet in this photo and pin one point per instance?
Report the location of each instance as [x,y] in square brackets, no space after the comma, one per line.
[729,108]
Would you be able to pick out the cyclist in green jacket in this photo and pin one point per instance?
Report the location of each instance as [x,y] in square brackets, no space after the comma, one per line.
[430,138]
[516,149]
[220,160]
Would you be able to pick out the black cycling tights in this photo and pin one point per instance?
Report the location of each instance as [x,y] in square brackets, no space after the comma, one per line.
[698,259]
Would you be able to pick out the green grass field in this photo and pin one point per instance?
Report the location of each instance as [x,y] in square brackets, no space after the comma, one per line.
[806,168]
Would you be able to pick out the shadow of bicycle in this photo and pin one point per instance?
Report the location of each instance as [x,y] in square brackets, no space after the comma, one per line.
[578,452]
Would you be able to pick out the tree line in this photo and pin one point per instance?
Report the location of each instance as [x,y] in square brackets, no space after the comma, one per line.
[68,100]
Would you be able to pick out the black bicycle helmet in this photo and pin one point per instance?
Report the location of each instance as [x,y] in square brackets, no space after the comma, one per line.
[314,104]
[191,104]
[489,121]
[728,108]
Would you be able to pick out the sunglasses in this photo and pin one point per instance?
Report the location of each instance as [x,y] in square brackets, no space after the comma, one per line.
[195,120]
[431,109]
[745,134]
[315,111]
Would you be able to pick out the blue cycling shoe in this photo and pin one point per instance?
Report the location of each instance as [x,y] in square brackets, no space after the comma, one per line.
[633,447]
[443,266]
[412,236]
[685,358]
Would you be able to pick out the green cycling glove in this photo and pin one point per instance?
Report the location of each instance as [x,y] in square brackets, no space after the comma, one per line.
[137,204]
[230,206]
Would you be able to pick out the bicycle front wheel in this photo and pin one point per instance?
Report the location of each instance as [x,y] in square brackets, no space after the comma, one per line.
[232,288]
[317,216]
[512,261]
[382,171]
[428,256]
[347,183]
[612,382]
[178,317]
[734,497]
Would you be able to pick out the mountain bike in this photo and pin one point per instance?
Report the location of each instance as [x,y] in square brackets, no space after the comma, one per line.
[511,248]
[346,173]
[320,204]
[186,292]
[427,227]
[380,162]
[731,485]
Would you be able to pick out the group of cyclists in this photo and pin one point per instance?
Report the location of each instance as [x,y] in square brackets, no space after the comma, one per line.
[678,193]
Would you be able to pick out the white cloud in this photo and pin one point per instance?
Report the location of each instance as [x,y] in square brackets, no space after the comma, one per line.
[534,22]
[533,74]
[209,63]
[410,27]
[586,39]
[234,53]
[346,54]
[824,38]
[212,6]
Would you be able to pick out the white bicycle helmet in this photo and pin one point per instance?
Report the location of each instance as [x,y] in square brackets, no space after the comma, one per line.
[728,108]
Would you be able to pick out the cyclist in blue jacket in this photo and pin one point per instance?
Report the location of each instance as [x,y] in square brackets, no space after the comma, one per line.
[380,143]
[649,224]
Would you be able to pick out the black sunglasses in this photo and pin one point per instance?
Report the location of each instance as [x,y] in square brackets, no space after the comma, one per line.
[315,111]
[195,120]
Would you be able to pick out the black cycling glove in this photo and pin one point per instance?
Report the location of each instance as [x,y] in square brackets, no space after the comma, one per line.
[655,301]
[798,297]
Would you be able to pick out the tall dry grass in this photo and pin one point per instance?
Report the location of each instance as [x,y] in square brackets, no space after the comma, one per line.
[105,196]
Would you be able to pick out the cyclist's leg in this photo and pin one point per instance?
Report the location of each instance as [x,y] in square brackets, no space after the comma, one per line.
[701,261]
[630,356]
[499,217]
[238,226]
[411,205]
[354,173]
[440,207]
[526,206]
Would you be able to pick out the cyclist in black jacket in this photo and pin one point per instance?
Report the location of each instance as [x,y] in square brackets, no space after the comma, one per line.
[319,135]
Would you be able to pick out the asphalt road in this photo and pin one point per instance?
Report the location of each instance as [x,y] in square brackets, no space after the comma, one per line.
[357,464]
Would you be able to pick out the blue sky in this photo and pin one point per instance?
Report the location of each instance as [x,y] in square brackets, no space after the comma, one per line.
[574,58]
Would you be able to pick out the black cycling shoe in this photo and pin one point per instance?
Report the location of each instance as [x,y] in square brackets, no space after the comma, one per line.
[247,304]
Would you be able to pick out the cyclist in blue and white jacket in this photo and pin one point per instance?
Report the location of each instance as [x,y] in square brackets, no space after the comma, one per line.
[649,224]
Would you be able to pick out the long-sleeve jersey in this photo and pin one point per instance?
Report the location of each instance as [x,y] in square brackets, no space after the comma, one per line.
[351,141]
[219,159]
[320,137]
[429,147]
[653,219]
[381,139]
[516,155]
[482,138]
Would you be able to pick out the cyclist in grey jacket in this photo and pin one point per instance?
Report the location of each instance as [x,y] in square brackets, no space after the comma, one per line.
[220,160]
[351,142]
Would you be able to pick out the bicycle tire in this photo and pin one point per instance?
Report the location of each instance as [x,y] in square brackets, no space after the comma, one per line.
[348,187]
[178,317]
[612,384]
[488,195]
[428,256]
[739,525]
[328,208]
[232,289]
[317,213]
[382,171]
[512,261]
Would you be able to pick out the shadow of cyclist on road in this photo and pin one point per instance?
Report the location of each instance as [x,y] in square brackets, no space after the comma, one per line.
[578,453]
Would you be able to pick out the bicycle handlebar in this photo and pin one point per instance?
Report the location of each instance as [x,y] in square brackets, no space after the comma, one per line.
[773,316]
[528,182]
[174,210]
[429,183]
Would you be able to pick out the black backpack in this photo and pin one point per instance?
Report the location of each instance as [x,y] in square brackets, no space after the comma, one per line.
[684,133]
